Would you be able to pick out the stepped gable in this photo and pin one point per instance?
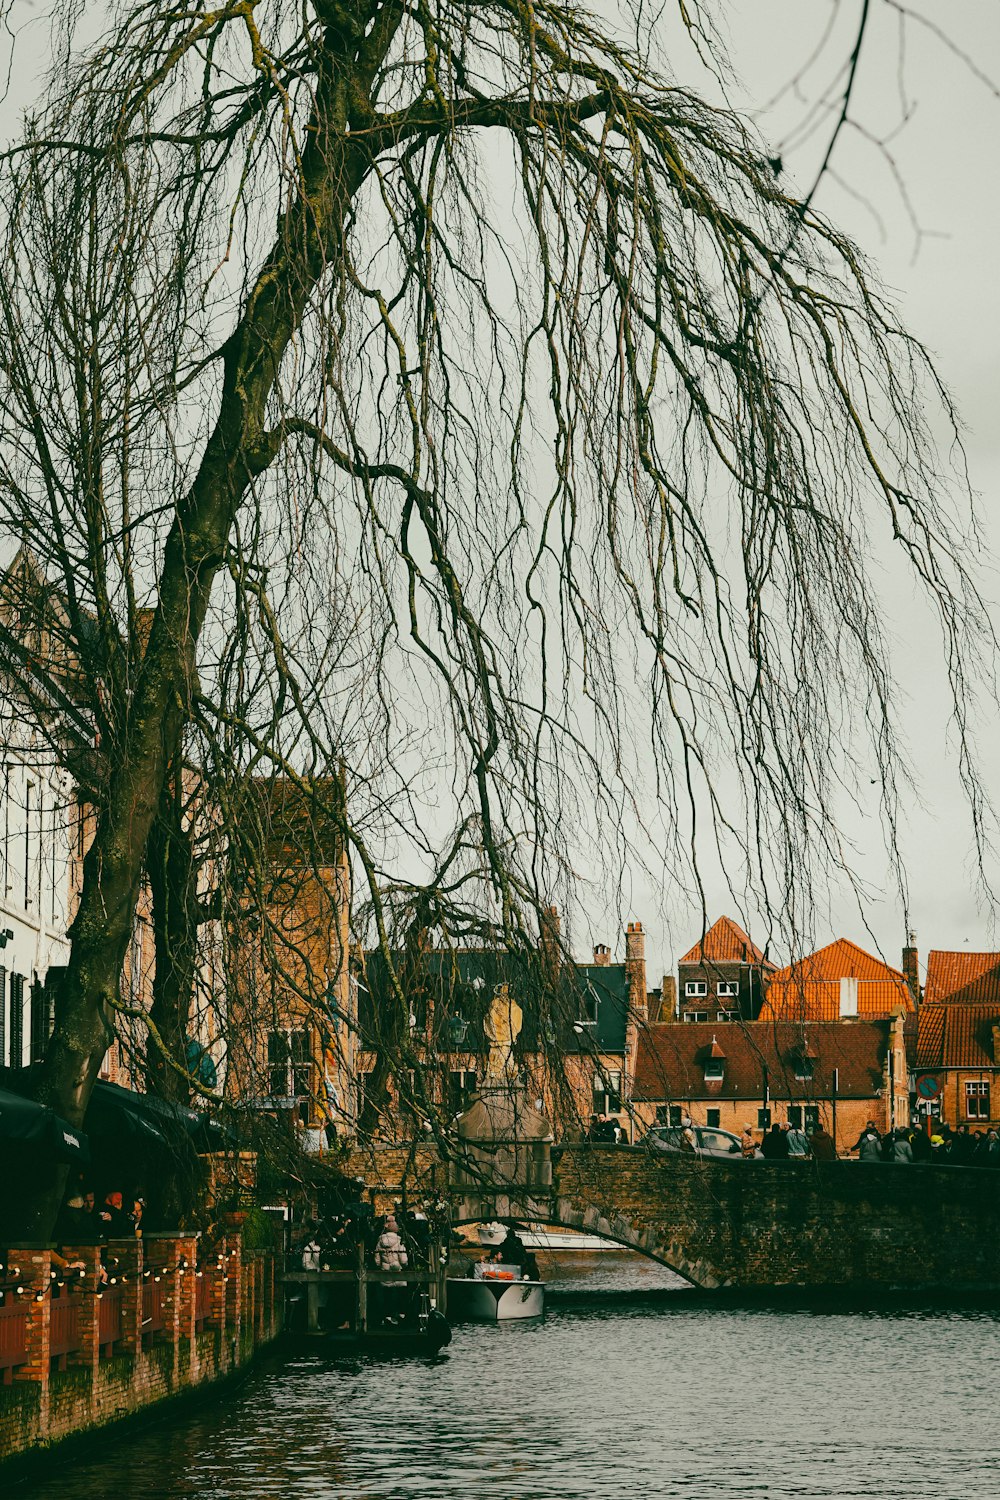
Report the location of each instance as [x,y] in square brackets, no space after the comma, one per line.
[725,942]
[962,978]
[809,989]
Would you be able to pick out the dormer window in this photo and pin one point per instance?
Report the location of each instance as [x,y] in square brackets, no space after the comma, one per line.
[803,1060]
[713,1063]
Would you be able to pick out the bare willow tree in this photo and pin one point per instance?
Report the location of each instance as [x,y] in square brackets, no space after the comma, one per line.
[468,403]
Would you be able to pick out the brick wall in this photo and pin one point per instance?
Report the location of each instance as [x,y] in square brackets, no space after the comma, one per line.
[144,1364]
[760,1224]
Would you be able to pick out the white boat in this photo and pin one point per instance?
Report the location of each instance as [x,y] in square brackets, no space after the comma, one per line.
[565,1239]
[540,1237]
[494,1293]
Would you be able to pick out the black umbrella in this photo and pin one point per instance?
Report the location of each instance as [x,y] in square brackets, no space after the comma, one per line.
[35,1124]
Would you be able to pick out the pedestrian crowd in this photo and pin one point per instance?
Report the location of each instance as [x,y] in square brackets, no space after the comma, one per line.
[607,1129]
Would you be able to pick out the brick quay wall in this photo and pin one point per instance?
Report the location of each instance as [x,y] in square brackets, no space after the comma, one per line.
[78,1353]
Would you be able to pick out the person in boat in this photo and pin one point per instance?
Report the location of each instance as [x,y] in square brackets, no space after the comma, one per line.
[529,1270]
[512,1251]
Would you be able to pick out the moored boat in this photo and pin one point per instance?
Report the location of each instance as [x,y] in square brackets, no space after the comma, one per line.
[496,1292]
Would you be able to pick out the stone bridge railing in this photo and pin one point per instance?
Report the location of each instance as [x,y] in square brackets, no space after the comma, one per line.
[751,1224]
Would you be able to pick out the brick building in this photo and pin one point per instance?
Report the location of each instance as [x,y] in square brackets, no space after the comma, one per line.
[292,1004]
[958,1039]
[733,1074]
[577,1045]
[721,978]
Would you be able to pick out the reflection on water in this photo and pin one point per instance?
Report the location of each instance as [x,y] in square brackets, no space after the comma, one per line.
[631,1387]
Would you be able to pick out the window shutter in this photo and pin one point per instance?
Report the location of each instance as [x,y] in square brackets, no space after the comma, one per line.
[16,1020]
[39,1018]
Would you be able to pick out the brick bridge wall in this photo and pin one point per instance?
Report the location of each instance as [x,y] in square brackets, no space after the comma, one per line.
[759,1224]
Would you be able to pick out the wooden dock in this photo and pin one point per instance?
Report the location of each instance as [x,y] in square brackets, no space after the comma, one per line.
[428,1285]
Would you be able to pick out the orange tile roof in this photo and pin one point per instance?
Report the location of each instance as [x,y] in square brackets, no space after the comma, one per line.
[957,1036]
[962,978]
[725,942]
[809,989]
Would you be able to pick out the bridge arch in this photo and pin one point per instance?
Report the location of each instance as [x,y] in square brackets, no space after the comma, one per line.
[562,1213]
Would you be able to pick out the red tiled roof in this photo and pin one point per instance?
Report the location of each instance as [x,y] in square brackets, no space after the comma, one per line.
[957,1036]
[962,978]
[809,989]
[725,942]
[670,1059]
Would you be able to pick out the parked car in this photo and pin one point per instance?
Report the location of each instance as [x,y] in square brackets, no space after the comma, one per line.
[709,1139]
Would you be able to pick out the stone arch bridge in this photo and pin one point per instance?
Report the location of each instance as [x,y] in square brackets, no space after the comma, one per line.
[737,1224]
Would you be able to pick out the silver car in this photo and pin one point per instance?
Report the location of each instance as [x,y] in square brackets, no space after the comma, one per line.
[709,1140]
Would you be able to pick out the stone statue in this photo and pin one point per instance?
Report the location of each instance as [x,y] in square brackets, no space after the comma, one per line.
[502,1027]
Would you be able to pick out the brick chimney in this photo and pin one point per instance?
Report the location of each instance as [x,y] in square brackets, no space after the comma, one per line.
[635,968]
[911,966]
[549,928]
[602,955]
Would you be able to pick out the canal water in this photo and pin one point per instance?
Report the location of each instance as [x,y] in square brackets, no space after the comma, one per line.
[631,1387]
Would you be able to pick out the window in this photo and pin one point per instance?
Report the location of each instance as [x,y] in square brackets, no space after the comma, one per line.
[288,1064]
[363,1086]
[461,1087]
[727,987]
[607,1091]
[803,1117]
[589,1001]
[668,1114]
[696,987]
[728,1015]
[714,1069]
[977,1101]
[713,1117]
[803,1066]
[763,1119]
[41,1020]
[696,1015]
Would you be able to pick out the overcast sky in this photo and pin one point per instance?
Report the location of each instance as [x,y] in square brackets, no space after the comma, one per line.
[947,285]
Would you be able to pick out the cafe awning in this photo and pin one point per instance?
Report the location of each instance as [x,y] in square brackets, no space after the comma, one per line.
[34,1124]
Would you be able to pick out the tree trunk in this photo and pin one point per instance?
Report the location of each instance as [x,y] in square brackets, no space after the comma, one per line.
[334,165]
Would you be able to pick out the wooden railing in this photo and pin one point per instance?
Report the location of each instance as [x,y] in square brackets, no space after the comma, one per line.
[152,1307]
[202,1300]
[109,1318]
[64,1330]
[13,1336]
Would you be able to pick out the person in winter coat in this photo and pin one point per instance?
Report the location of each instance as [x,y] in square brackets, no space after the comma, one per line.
[869,1147]
[774,1145]
[902,1151]
[821,1142]
[390,1255]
